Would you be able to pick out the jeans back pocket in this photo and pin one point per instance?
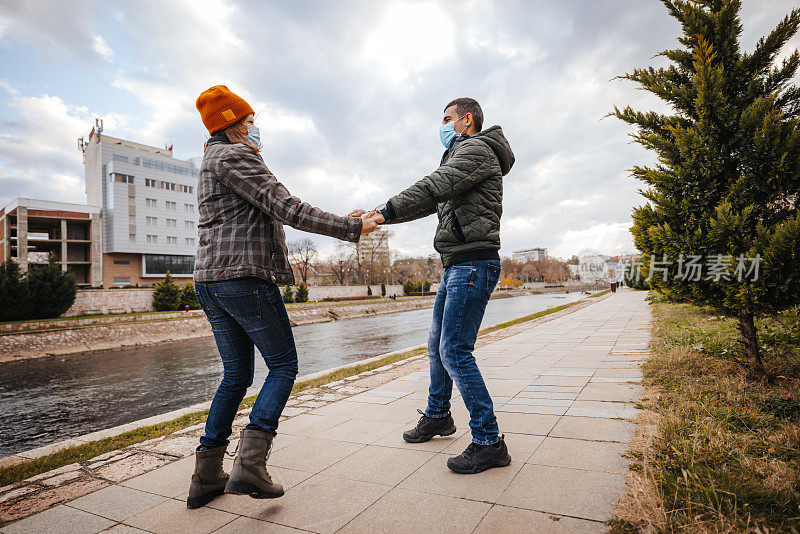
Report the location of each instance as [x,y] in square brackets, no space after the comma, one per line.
[244,305]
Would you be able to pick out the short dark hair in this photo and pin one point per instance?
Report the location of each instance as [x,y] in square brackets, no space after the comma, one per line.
[466,105]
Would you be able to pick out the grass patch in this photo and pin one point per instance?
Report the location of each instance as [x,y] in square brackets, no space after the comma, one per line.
[81,453]
[600,293]
[725,451]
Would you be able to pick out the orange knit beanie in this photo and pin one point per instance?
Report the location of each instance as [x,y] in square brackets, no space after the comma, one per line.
[219,108]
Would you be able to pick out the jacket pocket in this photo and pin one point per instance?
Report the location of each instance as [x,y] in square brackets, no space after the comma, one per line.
[457,229]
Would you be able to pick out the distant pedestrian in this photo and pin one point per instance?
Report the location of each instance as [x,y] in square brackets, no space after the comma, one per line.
[241,259]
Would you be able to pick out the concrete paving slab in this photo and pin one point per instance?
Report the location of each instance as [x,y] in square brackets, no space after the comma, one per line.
[117,502]
[507,520]
[59,520]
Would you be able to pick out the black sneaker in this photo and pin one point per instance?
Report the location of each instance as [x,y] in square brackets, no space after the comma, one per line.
[477,458]
[427,427]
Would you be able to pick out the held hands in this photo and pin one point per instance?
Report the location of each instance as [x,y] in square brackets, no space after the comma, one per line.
[369,220]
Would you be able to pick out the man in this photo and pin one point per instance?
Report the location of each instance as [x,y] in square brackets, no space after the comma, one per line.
[466,192]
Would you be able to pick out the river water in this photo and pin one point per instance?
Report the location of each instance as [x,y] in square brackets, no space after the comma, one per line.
[51,399]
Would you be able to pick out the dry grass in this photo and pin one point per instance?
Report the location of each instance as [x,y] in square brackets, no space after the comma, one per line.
[715,452]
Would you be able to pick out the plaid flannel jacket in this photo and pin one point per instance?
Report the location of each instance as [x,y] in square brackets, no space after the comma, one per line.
[242,209]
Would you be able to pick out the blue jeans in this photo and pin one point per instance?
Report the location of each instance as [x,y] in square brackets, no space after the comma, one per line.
[245,313]
[457,313]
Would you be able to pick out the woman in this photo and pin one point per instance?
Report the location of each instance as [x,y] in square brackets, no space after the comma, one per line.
[241,260]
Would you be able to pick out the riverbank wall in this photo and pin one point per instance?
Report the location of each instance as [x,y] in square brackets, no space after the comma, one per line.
[54,339]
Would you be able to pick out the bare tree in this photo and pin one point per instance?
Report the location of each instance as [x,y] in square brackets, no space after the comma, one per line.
[302,253]
[342,261]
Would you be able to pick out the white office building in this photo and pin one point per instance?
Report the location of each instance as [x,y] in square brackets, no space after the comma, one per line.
[148,202]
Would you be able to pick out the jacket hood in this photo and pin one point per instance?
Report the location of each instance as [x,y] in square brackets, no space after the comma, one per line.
[493,136]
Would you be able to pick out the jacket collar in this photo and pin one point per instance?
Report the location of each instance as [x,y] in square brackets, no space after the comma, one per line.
[215,139]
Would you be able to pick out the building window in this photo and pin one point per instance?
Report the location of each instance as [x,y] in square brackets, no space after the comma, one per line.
[121,159]
[189,225]
[175,169]
[189,241]
[152,221]
[189,208]
[132,238]
[149,182]
[122,262]
[151,202]
[122,280]
[131,200]
[152,238]
[186,188]
[160,264]
[172,240]
[172,205]
[172,223]
[131,219]
[124,178]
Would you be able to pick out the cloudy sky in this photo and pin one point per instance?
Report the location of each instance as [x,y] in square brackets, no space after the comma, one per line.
[349,97]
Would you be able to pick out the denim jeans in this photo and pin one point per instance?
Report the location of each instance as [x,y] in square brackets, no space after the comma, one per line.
[245,313]
[457,313]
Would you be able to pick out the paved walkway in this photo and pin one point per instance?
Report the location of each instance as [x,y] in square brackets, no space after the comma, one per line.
[563,390]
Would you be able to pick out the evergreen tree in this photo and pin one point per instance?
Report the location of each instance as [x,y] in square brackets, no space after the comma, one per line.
[15,298]
[301,295]
[426,286]
[383,289]
[166,295]
[369,290]
[727,183]
[52,289]
[408,287]
[188,297]
[288,295]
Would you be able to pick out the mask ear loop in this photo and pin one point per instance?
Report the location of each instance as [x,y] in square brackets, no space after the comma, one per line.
[465,127]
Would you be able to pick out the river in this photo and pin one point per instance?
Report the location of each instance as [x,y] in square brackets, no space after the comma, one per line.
[51,399]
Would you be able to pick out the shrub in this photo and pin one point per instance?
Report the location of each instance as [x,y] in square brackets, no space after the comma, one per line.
[188,297]
[52,290]
[167,295]
[15,297]
[302,293]
[288,295]
[426,286]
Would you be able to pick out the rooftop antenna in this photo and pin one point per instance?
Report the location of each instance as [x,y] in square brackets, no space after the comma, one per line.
[98,125]
[82,144]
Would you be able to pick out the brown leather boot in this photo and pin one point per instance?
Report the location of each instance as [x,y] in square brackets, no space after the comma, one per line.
[249,474]
[208,479]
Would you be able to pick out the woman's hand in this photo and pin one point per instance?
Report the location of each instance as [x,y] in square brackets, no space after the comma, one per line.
[356,213]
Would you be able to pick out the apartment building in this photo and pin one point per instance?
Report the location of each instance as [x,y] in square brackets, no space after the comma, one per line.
[529,254]
[33,230]
[148,209]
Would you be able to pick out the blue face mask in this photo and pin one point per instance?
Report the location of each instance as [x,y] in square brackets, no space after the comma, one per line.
[447,132]
[253,135]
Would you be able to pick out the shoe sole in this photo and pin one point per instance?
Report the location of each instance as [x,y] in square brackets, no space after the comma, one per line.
[500,462]
[193,503]
[243,488]
[427,437]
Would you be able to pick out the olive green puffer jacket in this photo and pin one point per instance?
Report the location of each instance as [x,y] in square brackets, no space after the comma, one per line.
[466,192]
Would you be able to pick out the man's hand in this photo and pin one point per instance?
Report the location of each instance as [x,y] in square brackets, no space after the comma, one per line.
[356,213]
[369,222]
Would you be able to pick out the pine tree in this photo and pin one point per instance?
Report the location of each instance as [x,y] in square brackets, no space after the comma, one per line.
[288,295]
[166,295]
[727,183]
[383,289]
[301,295]
[369,290]
[51,288]
[15,297]
[188,297]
